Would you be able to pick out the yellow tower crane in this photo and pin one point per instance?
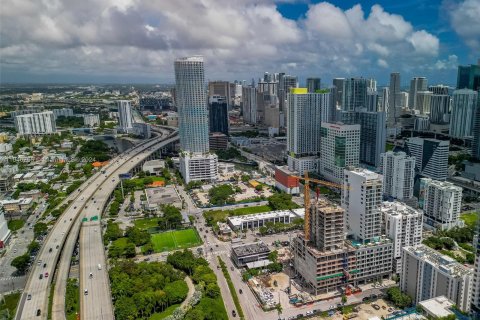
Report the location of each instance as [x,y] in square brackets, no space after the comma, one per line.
[306,198]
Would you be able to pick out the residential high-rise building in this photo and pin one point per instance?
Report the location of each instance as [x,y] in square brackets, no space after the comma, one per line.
[440,109]
[476,133]
[313,84]
[125,118]
[385,98]
[304,112]
[431,156]
[372,100]
[468,77]
[416,84]
[354,94]
[464,108]
[427,274]
[393,112]
[422,123]
[223,89]
[339,85]
[267,87]
[361,200]
[439,89]
[403,225]
[286,82]
[398,172]
[63,112]
[195,162]
[218,114]
[91,120]
[340,145]
[36,123]
[441,202]
[249,104]
[475,302]
[422,104]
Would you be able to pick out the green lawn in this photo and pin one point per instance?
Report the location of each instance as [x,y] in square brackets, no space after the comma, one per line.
[121,242]
[178,239]
[470,218]
[10,304]
[213,216]
[14,225]
[146,223]
[167,312]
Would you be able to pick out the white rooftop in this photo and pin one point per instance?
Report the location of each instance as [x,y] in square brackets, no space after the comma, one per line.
[438,306]
[238,220]
[398,208]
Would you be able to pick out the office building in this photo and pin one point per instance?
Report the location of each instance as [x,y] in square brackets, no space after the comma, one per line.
[421,123]
[339,85]
[439,109]
[394,109]
[427,274]
[304,112]
[248,254]
[468,77]
[36,123]
[257,220]
[416,84]
[195,162]
[464,109]
[361,200]
[372,100]
[398,171]
[439,89]
[423,100]
[222,89]
[218,141]
[385,97]
[5,233]
[441,202]
[313,84]
[91,120]
[355,94]
[431,156]
[218,114]
[286,82]
[403,225]
[142,130]
[249,104]
[125,118]
[340,145]
[63,112]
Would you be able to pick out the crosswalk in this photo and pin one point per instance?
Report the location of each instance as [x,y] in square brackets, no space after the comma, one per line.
[11,278]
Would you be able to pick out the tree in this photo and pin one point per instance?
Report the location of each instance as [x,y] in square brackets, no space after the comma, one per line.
[87,169]
[344,299]
[279,308]
[273,256]
[137,236]
[221,194]
[130,250]
[212,290]
[259,187]
[39,228]
[281,201]
[176,291]
[33,247]
[21,263]
[195,314]
[400,299]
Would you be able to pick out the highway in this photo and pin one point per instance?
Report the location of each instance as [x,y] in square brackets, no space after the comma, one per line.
[35,296]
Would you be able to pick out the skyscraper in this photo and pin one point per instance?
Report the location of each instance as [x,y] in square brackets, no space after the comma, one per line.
[468,77]
[355,94]
[223,89]
[393,111]
[464,105]
[195,162]
[339,84]
[125,118]
[286,82]
[340,145]
[475,301]
[304,112]
[431,156]
[422,104]
[476,133]
[361,200]
[416,84]
[439,89]
[398,172]
[36,123]
[440,109]
[441,202]
[218,114]
[249,104]
[372,100]
[313,84]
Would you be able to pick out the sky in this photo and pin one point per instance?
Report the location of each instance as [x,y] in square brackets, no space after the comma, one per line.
[137,41]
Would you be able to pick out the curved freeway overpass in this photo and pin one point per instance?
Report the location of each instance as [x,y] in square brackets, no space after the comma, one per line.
[89,200]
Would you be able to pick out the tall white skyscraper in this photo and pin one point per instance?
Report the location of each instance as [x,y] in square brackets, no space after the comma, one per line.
[441,202]
[36,123]
[422,104]
[416,84]
[398,172]
[431,156]
[464,105]
[249,104]
[125,118]
[340,145]
[191,101]
[361,200]
[304,113]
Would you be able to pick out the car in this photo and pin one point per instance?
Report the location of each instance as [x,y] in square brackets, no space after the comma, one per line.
[46,274]
[376,306]
[75,207]
[309,313]
[57,246]
[14,250]
[85,292]
[240,291]
[373,296]
[234,313]
[39,312]
[365,299]
[299,315]
[29,297]
[44,265]
[90,275]
[40,276]
[390,309]
[39,262]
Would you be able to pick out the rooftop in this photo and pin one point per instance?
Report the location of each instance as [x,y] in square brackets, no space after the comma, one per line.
[238,220]
[362,172]
[395,208]
[438,306]
[442,184]
[250,248]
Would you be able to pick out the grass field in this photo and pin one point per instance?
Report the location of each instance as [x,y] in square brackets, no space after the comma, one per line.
[213,216]
[470,218]
[167,312]
[10,304]
[178,239]
[147,223]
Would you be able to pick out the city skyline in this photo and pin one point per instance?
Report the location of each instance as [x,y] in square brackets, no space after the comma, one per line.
[136,42]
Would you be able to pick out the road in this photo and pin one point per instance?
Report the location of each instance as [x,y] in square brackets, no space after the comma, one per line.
[38,286]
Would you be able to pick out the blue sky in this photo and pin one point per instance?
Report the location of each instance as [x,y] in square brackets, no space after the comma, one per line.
[133,41]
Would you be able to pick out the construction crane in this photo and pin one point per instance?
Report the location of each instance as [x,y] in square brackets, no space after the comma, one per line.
[306,198]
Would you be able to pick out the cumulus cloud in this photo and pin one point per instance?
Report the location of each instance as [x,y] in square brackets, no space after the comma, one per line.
[465,20]
[239,39]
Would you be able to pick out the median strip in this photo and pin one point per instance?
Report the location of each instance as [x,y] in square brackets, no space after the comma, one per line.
[236,301]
